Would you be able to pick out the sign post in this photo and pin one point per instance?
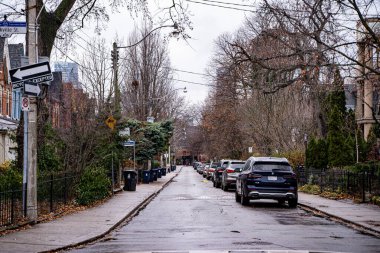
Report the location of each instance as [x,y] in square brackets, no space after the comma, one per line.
[131,143]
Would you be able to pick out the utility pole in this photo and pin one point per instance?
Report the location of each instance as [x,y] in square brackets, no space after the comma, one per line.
[32,117]
[115,67]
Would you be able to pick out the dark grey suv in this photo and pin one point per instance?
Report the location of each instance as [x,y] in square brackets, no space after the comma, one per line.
[267,178]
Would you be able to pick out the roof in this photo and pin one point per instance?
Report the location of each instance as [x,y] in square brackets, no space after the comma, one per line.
[15,53]
[2,42]
[269,159]
[6,124]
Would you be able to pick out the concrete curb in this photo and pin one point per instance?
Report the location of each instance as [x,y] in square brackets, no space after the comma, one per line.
[359,227]
[129,215]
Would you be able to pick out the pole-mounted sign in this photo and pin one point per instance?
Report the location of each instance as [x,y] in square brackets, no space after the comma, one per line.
[31,89]
[25,104]
[35,73]
[7,28]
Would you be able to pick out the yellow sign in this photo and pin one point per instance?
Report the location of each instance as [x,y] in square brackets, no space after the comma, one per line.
[111,122]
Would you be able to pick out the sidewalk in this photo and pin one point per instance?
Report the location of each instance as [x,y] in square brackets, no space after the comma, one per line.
[83,226]
[366,217]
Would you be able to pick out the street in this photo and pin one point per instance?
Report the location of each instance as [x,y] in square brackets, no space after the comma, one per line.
[190,214]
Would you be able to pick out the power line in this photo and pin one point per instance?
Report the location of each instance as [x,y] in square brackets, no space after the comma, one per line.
[80,65]
[221,6]
[185,81]
[212,4]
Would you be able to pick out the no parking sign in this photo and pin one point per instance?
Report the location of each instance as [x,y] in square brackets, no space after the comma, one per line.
[25,104]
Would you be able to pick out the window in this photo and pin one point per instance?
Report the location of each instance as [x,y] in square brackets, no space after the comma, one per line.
[1,100]
[247,165]
[271,166]
[8,105]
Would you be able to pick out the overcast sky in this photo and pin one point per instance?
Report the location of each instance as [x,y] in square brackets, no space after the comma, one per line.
[194,55]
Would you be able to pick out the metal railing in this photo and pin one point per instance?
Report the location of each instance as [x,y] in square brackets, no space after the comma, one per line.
[359,184]
[54,190]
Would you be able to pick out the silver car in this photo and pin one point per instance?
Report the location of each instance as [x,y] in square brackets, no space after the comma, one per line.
[230,173]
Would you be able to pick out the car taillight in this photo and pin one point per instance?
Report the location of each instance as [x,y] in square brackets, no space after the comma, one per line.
[293,176]
[230,171]
[254,176]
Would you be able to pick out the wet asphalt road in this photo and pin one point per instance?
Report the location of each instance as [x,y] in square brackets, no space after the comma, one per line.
[192,215]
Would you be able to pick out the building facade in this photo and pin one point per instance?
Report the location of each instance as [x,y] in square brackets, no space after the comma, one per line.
[368,80]
[69,72]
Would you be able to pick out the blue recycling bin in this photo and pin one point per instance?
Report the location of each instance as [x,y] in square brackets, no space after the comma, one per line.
[155,174]
[151,176]
[159,172]
[163,172]
[146,176]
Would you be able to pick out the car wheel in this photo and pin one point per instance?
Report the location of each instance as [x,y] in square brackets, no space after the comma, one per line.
[237,196]
[225,188]
[243,199]
[281,202]
[293,203]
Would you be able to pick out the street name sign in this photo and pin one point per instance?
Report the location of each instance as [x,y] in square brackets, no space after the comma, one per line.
[31,89]
[7,28]
[129,143]
[35,73]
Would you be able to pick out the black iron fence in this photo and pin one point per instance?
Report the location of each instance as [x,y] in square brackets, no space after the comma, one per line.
[360,184]
[54,190]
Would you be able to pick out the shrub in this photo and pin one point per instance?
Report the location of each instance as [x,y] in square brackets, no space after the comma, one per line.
[93,185]
[10,177]
[310,188]
[375,200]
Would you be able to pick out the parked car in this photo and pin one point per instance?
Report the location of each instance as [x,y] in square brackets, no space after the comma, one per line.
[229,174]
[218,173]
[196,164]
[267,178]
[211,170]
[203,169]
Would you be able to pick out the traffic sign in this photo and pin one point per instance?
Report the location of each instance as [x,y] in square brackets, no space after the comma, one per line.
[7,28]
[31,89]
[25,104]
[125,132]
[111,122]
[35,73]
[129,143]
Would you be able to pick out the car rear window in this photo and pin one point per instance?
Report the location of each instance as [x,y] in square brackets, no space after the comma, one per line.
[237,165]
[215,165]
[271,166]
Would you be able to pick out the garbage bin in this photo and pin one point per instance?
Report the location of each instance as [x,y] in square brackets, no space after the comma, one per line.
[163,171]
[130,180]
[151,176]
[146,176]
[173,168]
[159,173]
[155,176]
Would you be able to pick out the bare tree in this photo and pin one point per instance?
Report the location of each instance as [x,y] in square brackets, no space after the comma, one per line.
[96,73]
[147,75]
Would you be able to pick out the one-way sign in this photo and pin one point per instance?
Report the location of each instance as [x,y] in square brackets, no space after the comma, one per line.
[31,89]
[36,73]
